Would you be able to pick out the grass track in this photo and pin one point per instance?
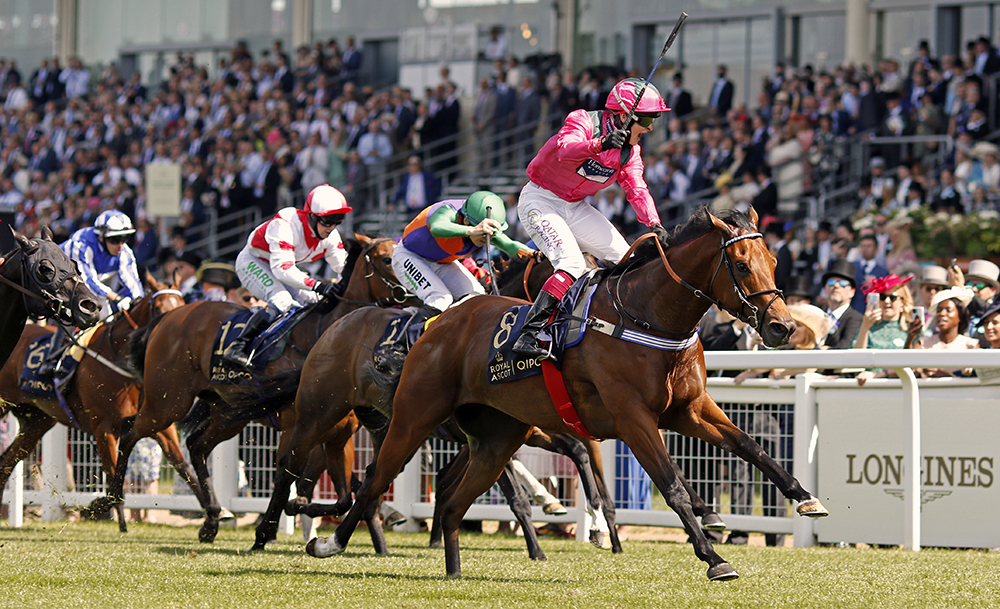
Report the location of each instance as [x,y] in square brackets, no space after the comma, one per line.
[92,565]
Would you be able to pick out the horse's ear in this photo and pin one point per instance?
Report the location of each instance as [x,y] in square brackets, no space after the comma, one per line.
[752,215]
[23,241]
[46,232]
[152,282]
[722,226]
[363,240]
[175,280]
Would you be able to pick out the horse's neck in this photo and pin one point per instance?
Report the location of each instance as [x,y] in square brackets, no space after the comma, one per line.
[664,302]
[13,314]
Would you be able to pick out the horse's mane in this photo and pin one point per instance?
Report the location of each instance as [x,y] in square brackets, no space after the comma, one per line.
[697,225]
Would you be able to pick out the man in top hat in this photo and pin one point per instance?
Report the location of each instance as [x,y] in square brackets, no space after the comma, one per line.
[933,279]
[798,290]
[839,286]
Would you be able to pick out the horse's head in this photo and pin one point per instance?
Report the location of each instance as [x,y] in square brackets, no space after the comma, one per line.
[751,294]
[379,284]
[54,282]
[163,297]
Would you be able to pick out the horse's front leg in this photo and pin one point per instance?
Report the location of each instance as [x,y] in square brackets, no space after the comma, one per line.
[643,437]
[713,426]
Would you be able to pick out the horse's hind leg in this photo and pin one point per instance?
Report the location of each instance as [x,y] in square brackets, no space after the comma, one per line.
[710,520]
[713,426]
[492,443]
[641,435]
[520,504]
[448,475]
[200,444]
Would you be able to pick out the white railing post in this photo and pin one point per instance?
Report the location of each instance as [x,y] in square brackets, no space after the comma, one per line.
[406,490]
[608,461]
[15,508]
[224,460]
[583,519]
[911,459]
[55,464]
[804,465]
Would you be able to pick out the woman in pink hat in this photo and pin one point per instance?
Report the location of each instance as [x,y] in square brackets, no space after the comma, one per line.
[888,323]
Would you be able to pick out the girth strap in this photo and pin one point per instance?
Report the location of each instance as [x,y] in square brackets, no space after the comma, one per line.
[560,397]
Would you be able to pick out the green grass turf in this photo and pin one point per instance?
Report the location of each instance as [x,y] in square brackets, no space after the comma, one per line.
[92,565]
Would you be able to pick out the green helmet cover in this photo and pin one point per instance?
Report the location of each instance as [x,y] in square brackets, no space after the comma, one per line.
[484,204]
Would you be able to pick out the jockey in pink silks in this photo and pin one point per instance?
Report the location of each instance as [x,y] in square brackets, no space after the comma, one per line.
[591,151]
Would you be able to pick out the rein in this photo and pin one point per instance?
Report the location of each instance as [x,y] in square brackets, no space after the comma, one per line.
[752,319]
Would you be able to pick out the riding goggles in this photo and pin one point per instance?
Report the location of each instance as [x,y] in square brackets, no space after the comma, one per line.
[116,240]
[331,219]
[646,120]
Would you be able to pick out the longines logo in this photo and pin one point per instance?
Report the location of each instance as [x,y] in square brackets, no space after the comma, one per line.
[887,470]
[925,496]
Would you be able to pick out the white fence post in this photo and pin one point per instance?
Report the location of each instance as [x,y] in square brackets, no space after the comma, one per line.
[804,465]
[225,467]
[15,510]
[911,459]
[406,490]
[55,464]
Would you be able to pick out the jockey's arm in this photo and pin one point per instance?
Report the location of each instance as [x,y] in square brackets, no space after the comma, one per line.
[128,272]
[279,235]
[443,223]
[637,193]
[510,246]
[85,261]
[576,140]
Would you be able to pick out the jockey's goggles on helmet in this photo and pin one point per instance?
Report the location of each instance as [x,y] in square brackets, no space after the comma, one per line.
[116,239]
[646,120]
[331,219]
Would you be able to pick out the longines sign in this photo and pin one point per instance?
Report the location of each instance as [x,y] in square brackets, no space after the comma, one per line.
[861,471]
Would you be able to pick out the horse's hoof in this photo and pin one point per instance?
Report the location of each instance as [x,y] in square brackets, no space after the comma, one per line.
[323,547]
[225,515]
[812,508]
[712,522]
[257,547]
[206,534]
[597,539]
[722,572]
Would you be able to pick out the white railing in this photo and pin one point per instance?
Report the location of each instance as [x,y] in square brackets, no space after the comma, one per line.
[810,396]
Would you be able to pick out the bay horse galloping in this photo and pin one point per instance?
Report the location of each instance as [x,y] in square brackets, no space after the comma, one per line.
[100,396]
[619,390]
[39,279]
[176,354]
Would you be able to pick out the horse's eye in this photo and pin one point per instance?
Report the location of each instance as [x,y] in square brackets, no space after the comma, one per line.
[742,267]
[387,260]
[45,273]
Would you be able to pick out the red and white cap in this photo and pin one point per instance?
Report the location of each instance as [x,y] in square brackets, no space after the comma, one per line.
[623,95]
[325,200]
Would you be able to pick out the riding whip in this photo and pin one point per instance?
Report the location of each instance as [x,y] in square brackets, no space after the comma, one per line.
[489,261]
[630,117]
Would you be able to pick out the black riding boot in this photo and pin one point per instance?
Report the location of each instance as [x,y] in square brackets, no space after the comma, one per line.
[54,354]
[238,351]
[527,344]
[389,358]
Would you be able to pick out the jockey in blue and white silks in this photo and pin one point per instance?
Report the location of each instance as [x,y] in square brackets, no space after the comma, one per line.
[102,255]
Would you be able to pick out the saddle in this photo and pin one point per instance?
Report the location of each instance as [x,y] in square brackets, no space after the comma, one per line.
[266,347]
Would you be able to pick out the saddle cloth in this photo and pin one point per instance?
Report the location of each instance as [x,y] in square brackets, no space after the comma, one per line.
[32,382]
[565,331]
[266,347]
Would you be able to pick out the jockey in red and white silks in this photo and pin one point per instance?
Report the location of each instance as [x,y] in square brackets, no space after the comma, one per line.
[591,151]
[267,264]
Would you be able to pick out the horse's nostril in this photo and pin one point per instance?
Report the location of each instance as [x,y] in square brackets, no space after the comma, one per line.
[778,328]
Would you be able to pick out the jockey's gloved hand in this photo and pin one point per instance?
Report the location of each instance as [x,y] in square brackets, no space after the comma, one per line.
[616,139]
[122,304]
[661,233]
[326,289]
[530,253]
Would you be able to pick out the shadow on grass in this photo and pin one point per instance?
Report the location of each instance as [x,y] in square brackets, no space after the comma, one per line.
[385,576]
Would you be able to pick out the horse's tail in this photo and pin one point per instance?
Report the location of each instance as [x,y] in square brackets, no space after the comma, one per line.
[265,395]
[199,412]
[137,341]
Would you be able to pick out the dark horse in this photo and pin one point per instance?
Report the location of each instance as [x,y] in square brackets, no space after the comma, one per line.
[619,390]
[99,396]
[39,279]
[176,352]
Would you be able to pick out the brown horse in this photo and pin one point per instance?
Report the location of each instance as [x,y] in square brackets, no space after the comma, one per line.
[39,279]
[101,395]
[619,390]
[176,355]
